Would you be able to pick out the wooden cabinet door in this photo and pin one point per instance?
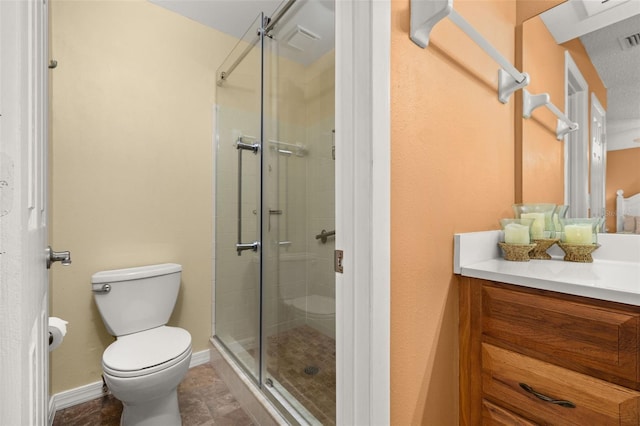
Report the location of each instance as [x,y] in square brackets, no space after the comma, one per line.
[586,400]
[493,415]
[594,340]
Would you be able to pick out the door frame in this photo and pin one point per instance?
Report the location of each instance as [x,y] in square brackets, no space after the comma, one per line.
[576,171]
[24,356]
[363,49]
[598,118]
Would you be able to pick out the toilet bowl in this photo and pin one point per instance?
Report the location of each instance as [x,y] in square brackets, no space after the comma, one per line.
[316,311]
[149,359]
[314,307]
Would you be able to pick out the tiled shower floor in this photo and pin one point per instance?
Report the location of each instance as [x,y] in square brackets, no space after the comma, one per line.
[203,397]
[290,353]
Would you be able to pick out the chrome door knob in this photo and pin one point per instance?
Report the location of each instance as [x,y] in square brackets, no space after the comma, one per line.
[63,257]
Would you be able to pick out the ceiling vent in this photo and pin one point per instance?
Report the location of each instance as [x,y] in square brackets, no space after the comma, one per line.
[301,38]
[629,41]
[593,7]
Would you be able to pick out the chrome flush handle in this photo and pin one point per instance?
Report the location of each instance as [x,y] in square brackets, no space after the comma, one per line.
[63,257]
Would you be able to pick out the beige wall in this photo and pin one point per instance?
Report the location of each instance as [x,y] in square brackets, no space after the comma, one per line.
[132,107]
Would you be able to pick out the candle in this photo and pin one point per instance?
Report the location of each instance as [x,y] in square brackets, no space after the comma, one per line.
[578,234]
[514,233]
[537,227]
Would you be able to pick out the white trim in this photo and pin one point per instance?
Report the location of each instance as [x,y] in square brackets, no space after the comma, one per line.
[573,79]
[199,358]
[597,109]
[363,211]
[52,411]
[71,397]
[75,396]
[380,369]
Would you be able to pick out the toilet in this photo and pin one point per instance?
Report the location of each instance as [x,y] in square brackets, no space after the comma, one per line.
[317,311]
[148,360]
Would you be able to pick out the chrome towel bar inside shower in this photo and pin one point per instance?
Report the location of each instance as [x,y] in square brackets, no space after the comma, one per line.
[323,235]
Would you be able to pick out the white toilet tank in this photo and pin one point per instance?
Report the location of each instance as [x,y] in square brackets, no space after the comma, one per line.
[136,299]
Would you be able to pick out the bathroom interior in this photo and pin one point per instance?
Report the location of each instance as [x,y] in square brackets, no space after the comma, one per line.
[148,132]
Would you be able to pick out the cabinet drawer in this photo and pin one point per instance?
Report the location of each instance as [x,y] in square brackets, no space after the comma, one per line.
[596,402]
[493,415]
[594,340]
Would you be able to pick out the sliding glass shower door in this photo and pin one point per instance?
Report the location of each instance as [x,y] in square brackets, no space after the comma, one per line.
[237,304]
[299,280]
[275,208]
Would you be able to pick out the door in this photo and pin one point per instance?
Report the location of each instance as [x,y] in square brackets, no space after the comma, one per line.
[298,237]
[598,158]
[23,213]
[237,200]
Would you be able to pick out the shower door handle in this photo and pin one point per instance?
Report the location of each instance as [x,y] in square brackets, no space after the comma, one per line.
[240,247]
[241,146]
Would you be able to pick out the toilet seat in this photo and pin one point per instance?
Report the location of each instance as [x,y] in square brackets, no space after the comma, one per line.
[146,352]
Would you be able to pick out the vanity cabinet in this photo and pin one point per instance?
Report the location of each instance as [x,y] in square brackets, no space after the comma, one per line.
[530,356]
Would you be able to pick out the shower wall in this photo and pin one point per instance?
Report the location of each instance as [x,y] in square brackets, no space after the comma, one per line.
[320,125]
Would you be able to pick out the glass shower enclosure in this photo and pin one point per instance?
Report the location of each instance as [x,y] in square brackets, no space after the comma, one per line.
[274,205]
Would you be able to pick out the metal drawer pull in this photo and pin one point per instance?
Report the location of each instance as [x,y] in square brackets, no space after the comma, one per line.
[561,402]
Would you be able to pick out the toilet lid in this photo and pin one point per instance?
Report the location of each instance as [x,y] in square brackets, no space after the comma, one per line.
[146,349]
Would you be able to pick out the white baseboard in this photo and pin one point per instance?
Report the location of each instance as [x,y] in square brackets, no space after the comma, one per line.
[85,393]
[78,395]
[199,358]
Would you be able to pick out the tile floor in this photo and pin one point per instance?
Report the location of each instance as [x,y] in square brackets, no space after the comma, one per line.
[203,397]
[303,360]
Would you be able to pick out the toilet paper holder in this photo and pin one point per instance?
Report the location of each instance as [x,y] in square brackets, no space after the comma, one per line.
[57,331]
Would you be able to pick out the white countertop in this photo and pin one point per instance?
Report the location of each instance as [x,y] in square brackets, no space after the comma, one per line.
[477,255]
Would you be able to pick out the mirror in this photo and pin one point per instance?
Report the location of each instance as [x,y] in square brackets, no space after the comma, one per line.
[602,40]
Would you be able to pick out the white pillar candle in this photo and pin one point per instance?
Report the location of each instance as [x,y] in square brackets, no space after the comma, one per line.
[537,227]
[578,234]
[514,233]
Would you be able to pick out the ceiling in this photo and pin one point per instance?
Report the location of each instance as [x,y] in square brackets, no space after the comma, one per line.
[305,33]
[229,16]
[598,23]
[603,32]
[618,67]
